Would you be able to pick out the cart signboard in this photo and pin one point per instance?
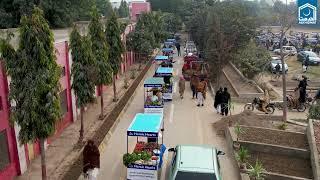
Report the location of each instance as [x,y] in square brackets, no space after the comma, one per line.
[153,88]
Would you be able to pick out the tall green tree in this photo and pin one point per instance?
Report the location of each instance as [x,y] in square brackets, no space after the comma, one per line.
[34,83]
[116,48]
[83,68]
[123,10]
[104,7]
[172,22]
[100,52]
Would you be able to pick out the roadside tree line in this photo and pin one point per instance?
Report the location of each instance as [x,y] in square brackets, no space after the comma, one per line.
[96,58]
[60,13]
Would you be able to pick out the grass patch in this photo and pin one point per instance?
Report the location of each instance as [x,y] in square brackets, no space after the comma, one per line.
[295,67]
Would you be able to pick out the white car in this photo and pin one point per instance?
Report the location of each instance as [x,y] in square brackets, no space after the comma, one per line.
[274,62]
[287,50]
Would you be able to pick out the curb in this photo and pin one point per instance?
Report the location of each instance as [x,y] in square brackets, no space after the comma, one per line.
[297,123]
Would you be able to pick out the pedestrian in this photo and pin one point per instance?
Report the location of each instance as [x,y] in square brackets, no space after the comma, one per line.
[201,92]
[182,86]
[217,100]
[91,161]
[277,70]
[194,83]
[225,100]
[303,89]
[178,48]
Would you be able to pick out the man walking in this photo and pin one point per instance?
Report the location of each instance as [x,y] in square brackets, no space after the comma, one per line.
[201,92]
[225,102]
[178,48]
[91,161]
[277,69]
[194,83]
[182,86]
[217,100]
[303,89]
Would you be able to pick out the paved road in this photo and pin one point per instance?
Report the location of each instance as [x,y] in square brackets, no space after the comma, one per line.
[185,123]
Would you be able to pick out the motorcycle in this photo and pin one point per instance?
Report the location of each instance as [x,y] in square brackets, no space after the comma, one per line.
[256,104]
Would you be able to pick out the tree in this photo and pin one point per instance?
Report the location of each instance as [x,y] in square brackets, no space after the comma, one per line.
[104,7]
[252,60]
[100,52]
[172,23]
[286,20]
[34,83]
[82,72]
[116,49]
[123,10]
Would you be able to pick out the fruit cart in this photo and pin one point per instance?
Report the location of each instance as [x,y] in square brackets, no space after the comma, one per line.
[167,74]
[167,51]
[160,60]
[146,160]
[153,102]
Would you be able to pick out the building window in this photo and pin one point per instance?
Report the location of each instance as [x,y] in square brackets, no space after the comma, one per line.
[1,106]
[63,101]
[63,71]
[4,152]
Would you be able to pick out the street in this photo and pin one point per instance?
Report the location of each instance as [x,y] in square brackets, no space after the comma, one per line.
[185,123]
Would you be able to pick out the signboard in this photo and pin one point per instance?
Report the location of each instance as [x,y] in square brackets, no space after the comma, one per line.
[153,110]
[141,174]
[307,11]
[142,134]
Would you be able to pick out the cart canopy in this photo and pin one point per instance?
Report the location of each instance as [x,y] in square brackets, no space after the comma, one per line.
[164,71]
[145,125]
[161,58]
[154,82]
[171,40]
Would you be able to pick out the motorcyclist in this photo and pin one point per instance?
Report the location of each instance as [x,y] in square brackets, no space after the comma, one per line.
[264,100]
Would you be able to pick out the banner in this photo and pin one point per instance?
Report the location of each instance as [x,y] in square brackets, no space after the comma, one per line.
[307,11]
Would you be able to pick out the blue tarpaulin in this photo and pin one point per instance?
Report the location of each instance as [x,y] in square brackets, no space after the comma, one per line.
[146,125]
[164,71]
[154,82]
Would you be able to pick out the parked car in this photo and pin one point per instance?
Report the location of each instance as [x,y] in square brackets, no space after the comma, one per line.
[287,50]
[313,57]
[274,62]
[195,162]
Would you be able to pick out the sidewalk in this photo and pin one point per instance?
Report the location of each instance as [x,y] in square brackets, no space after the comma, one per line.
[61,152]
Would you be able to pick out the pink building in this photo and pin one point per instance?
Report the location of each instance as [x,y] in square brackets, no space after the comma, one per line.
[138,7]
[14,157]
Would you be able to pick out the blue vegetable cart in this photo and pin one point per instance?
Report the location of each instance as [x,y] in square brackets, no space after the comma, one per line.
[167,74]
[146,126]
[153,87]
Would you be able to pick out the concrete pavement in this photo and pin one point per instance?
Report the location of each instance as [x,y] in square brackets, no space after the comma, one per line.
[185,123]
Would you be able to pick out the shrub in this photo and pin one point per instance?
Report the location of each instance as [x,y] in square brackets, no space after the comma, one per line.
[314,112]
[242,155]
[256,171]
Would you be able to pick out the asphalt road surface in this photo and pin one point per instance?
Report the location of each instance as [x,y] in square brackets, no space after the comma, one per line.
[185,123]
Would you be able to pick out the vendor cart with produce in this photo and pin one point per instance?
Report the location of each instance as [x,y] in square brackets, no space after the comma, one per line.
[145,162]
[169,44]
[167,74]
[153,102]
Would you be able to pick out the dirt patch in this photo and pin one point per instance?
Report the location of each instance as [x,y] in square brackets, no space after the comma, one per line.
[248,118]
[316,128]
[283,164]
[281,138]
